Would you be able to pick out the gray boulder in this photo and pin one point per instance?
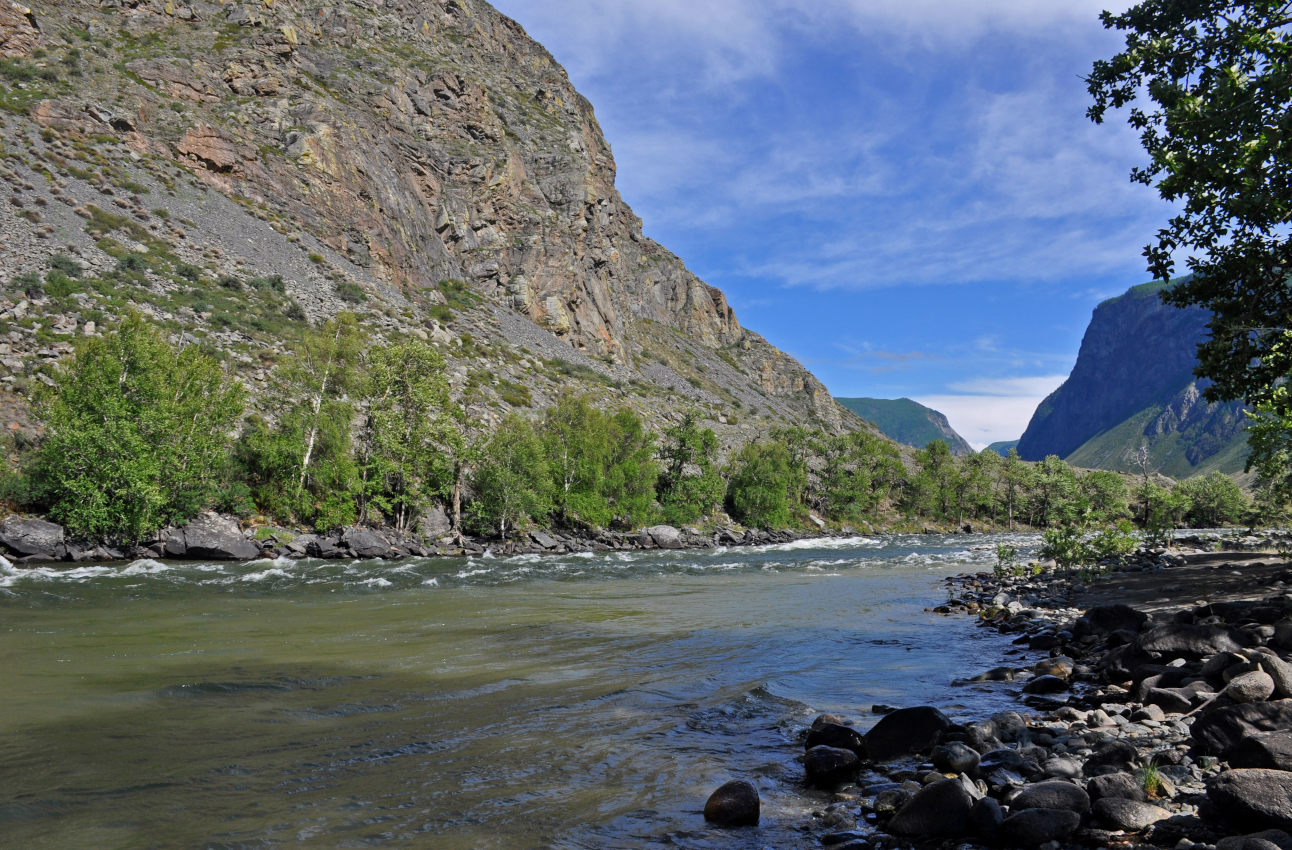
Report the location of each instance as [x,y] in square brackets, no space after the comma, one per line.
[1114,753]
[665,536]
[1272,750]
[1191,640]
[828,767]
[1130,815]
[985,818]
[28,537]
[1054,794]
[1045,685]
[1218,731]
[836,735]
[1123,786]
[955,757]
[1270,839]
[1255,686]
[939,810]
[217,538]
[734,804]
[1106,619]
[434,522]
[1254,797]
[1032,827]
[365,542]
[905,732]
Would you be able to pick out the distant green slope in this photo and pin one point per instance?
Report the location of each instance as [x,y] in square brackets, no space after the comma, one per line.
[1002,448]
[908,422]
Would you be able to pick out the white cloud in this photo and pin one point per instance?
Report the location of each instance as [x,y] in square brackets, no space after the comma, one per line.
[989,410]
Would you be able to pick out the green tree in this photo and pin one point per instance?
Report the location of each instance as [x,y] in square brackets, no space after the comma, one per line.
[1015,480]
[632,473]
[1055,498]
[762,483]
[933,489]
[406,445]
[512,481]
[858,471]
[1209,86]
[1106,494]
[1214,500]
[137,433]
[689,483]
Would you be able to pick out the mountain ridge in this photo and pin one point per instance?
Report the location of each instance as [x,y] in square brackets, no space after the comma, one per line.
[908,422]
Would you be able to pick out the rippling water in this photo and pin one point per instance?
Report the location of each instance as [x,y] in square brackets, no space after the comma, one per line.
[581,701]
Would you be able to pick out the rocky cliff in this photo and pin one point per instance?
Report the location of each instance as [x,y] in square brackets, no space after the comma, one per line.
[1133,388]
[233,168]
[908,422]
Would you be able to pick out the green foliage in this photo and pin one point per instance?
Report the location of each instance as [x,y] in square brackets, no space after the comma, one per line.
[1207,84]
[1214,501]
[1065,545]
[405,445]
[1006,561]
[689,483]
[932,490]
[858,471]
[66,265]
[350,293]
[137,433]
[512,481]
[1160,512]
[1106,496]
[59,285]
[1115,543]
[763,483]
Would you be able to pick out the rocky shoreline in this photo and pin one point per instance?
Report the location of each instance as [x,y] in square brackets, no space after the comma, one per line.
[1167,723]
[25,540]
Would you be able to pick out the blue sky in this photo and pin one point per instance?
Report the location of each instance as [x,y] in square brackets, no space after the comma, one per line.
[904,195]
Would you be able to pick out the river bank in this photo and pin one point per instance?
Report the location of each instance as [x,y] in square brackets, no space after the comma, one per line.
[1156,710]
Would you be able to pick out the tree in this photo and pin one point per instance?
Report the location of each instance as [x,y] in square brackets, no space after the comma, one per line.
[1107,495]
[858,470]
[137,433]
[932,491]
[1214,500]
[512,481]
[1015,479]
[1218,134]
[759,489]
[689,483]
[406,444]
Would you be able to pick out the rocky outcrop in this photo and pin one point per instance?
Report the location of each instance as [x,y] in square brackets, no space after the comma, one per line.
[1133,385]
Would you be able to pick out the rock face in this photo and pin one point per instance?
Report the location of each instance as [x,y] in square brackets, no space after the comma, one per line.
[1253,797]
[32,538]
[425,164]
[1112,403]
[218,538]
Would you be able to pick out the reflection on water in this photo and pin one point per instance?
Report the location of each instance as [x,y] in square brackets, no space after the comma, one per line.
[565,701]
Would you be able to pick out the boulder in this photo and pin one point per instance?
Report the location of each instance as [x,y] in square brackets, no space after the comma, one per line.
[544,540]
[1191,640]
[836,735]
[218,538]
[1009,725]
[1114,753]
[1123,786]
[1254,797]
[1045,685]
[1270,839]
[1032,827]
[172,542]
[434,522]
[998,759]
[985,818]
[734,804]
[365,542]
[1271,750]
[939,810]
[1054,794]
[905,732]
[827,767]
[328,546]
[1106,619]
[1130,815]
[1256,686]
[1280,671]
[1218,731]
[665,536]
[955,757]
[28,537]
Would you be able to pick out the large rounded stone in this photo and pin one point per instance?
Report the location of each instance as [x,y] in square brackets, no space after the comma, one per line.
[1255,686]
[836,735]
[1280,671]
[828,767]
[1106,619]
[905,732]
[1054,794]
[1123,786]
[1254,797]
[955,757]
[1270,839]
[1271,750]
[1219,731]
[33,538]
[985,818]
[218,538]
[1045,685]
[1130,815]
[1032,827]
[1191,640]
[733,804]
[1112,753]
[940,810]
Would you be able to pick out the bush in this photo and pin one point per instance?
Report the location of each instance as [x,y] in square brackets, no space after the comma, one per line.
[350,293]
[758,492]
[137,434]
[66,265]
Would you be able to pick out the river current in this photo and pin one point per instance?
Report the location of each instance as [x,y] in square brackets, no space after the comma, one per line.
[579,701]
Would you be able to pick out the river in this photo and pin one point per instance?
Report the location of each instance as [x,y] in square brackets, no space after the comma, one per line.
[583,701]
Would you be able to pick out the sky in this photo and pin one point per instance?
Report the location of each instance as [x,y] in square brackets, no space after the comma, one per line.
[905,195]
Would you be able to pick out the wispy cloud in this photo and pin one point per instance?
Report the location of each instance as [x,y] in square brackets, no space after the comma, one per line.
[988,410]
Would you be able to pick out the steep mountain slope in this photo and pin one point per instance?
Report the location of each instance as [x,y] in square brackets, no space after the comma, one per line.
[1002,448]
[1132,389]
[236,168]
[908,422]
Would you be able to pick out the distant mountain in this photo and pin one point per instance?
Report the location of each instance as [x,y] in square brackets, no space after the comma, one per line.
[1002,448]
[1133,387]
[908,422]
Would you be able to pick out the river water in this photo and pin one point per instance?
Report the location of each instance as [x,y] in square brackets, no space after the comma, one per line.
[584,701]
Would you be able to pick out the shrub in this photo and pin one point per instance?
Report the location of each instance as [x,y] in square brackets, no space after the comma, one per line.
[66,265]
[350,293]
